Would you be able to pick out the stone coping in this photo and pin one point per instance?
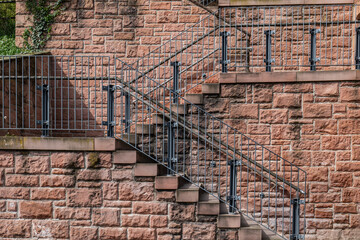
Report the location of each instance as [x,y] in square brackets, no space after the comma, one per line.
[234,3]
[57,143]
[290,77]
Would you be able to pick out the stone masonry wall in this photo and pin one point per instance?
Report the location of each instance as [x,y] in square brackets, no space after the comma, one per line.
[127,28]
[315,126]
[83,195]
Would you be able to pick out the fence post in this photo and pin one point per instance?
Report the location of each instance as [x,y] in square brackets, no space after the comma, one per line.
[176,66]
[45,109]
[110,110]
[233,183]
[268,60]
[357,54]
[296,219]
[171,160]
[127,112]
[313,58]
[224,51]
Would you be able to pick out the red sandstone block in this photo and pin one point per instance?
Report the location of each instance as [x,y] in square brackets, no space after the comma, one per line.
[188,193]
[324,213]
[336,142]
[72,213]
[14,193]
[54,229]
[349,126]
[32,164]
[326,89]
[341,179]
[287,100]
[129,157]
[136,191]
[67,160]
[349,94]
[135,221]
[94,175]
[122,174]
[106,8]
[244,111]
[148,170]
[47,194]
[6,159]
[57,181]
[229,221]
[141,233]
[84,197]
[106,217]
[285,132]
[326,126]
[83,233]
[110,190]
[199,231]
[181,212]
[160,6]
[15,228]
[158,221]
[345,208]
[317,110]
[211,207]
[22,180]
[263,95]
[152,208]
[113,233]
[274,116]
[35,209]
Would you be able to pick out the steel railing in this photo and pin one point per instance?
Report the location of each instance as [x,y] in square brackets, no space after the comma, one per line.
[88,96]
[257,39]
[235,169]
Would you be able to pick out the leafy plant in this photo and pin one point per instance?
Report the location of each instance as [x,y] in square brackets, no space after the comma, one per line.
[8,47]
[7,15]
[44,15]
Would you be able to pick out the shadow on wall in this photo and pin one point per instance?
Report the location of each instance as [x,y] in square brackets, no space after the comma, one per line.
[62,94]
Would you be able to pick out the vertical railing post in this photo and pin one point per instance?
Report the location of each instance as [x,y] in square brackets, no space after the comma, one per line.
[233,184]
[357,54]
[224,51]
[127,112]
[296,219]
[45,109]
[313,59]
[171,160]
[176,66]
[110,110]
[268,60]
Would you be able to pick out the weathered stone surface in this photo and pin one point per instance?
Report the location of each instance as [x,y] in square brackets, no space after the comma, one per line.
[199,231]
[113,233]
[72,213]
[180,212]
[39,210]
[317,110]
[67,160]
[84,197]
[32,164]
[141,233]
[136,191]
[274,116]
[6,159]
[135,220]
[244,111]
[47,194]
[106,217]
[287,100]
[150,208]
[50,229]
[327,89]
[15,228]
[83,233]
[336,142]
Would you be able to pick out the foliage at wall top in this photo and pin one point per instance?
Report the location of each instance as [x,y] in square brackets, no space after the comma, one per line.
[44,14]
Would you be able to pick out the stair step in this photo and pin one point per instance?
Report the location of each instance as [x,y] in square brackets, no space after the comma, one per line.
[130,157]
[195,98]
[126,139]
[250,233]
[211,207]
[229,221]
[168,182]
[179,108]
[188,193]
[149,170]
[211,88]
[145,129]
[157,118]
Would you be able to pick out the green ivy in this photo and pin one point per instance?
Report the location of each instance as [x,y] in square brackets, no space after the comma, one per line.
[44,14]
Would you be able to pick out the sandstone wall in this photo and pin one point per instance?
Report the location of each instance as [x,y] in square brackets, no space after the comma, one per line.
[315,126]
[83,195]
[128,29]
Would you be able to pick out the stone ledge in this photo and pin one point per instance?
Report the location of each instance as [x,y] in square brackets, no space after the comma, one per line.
[234,3]
[58,144]
[290,77]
